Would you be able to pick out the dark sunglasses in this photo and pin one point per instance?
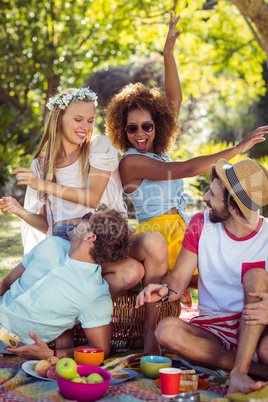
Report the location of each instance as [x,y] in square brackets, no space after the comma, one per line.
[147,127]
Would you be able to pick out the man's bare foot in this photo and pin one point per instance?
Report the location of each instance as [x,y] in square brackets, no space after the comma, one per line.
[151,346]
[240,382]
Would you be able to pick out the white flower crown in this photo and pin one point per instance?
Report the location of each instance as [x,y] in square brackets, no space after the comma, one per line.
[63,100]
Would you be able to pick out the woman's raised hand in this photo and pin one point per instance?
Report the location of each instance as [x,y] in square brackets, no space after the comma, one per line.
[252,138]
[172,34]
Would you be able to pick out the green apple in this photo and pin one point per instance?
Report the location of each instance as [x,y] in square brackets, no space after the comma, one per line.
[94,378]
[66,368]
[79,379]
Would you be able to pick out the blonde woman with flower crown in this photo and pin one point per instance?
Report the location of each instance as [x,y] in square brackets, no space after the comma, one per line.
[71,174]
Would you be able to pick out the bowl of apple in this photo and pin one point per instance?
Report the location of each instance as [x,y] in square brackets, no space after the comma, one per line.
[81,382]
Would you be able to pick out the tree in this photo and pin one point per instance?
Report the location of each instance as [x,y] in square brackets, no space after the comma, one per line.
[48,45]
[256,13]
[58,43]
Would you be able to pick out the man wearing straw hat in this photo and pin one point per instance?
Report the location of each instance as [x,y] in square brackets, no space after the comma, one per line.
[228,242]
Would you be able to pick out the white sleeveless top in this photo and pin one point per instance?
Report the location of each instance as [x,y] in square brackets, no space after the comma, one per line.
[103,156]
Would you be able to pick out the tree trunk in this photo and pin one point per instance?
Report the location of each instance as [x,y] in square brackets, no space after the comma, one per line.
[52,87]
[257,12]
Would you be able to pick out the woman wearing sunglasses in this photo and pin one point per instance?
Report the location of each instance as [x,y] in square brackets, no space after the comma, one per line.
[142,122]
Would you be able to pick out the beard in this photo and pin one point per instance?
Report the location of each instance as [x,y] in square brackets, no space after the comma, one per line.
[218,215]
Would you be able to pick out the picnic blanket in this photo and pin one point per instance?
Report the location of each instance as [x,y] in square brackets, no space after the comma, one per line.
[16,385]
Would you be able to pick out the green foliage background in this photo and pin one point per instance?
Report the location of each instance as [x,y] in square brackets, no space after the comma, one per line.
[55,44]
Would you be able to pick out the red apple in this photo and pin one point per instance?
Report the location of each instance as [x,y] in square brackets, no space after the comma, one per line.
[51,373]
[53,360]
[42,367]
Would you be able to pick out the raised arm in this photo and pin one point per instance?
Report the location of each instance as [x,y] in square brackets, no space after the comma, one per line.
[172,81]
[135,168]
[89,197]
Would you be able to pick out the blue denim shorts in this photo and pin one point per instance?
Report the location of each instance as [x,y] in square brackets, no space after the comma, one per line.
[62,229]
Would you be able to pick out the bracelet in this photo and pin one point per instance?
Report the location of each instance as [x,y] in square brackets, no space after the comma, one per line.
[166,298]
[55,353]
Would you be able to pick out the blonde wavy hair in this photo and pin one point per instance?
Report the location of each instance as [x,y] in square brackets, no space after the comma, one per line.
[48,149]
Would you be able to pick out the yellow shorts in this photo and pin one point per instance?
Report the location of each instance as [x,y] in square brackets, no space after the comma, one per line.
[172,227]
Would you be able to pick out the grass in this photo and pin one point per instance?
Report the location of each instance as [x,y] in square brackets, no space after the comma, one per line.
[11,249]
[194,293]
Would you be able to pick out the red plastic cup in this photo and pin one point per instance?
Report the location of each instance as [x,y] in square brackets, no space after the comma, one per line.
[170,382]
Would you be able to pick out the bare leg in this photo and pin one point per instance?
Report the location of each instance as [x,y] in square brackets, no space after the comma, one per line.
[151,249]
[65,340]
[122,275]
[11,277]
[263,347]
[255,279]
[198,346]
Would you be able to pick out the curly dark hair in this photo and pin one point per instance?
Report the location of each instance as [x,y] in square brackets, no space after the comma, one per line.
[151,99]
[113,236]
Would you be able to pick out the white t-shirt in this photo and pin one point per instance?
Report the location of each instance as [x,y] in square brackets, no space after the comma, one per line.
[103,156]
[222,261]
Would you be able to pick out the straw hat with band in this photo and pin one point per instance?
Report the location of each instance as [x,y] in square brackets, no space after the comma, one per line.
[247,182]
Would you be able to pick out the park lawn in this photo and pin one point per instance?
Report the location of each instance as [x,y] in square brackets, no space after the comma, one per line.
[11,249]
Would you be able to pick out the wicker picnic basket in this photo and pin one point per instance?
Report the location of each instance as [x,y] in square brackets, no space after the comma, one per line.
[127,322]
